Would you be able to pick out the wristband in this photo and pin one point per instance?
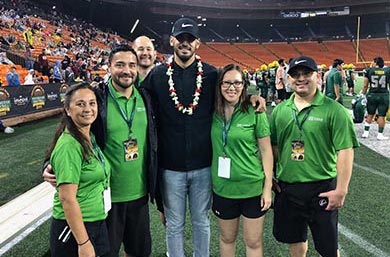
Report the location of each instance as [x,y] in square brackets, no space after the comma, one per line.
[83,243]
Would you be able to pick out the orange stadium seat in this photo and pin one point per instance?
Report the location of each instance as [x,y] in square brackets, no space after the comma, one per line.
[258,51]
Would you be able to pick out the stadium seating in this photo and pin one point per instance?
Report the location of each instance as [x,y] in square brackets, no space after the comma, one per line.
[236,54]
[252,55]
[372,48]
[282,50]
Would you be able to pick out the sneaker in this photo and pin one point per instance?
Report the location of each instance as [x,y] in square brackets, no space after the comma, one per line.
[365,134]
[273,104]
[381,137]
[9,130]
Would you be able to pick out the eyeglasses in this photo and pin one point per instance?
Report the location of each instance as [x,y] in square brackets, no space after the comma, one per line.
[235,84]
[297,74]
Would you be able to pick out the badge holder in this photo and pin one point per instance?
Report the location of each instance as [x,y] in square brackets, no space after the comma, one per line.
[130,148]
[107,199]
[224,167]
[298,150]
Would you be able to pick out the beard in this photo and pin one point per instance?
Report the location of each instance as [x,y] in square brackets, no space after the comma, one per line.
[117,81]
[184,58]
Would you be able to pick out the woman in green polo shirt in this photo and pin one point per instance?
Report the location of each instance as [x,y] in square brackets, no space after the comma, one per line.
[82,199]
[241,177]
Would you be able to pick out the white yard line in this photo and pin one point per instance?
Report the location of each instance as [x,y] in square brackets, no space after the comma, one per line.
[371,170]
[362,243]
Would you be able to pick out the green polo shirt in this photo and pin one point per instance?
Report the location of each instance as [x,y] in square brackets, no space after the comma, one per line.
[128,180]
[327,129]
[246,170]
[334,78]
[70,167]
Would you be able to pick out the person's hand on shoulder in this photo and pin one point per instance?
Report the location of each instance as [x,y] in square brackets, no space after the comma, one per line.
[49,176]
[258,102]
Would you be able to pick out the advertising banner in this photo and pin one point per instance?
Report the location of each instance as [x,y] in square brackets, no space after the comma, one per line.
[27,99]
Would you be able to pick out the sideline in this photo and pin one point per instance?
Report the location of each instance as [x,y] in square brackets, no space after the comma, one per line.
[25,233]
[21,215]
[359,241]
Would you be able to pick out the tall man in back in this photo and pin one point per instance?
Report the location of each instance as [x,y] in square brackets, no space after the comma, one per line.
[183,91]
[313,138]
[146,55]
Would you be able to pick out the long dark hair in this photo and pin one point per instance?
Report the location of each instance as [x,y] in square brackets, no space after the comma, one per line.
[67,122]
[219,101]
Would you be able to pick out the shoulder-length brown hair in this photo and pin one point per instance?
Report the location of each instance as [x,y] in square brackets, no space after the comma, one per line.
[67,122]
[219,100]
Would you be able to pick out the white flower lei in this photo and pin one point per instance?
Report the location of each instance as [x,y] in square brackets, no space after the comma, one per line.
[172,91]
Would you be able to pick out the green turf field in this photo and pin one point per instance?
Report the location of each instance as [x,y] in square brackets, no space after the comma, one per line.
[364,220]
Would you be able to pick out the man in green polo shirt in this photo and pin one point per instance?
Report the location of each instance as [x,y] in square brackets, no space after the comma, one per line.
[376,85]
[334,81]
[313,138]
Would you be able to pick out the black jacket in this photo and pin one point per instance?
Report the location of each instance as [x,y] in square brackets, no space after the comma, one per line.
[99,128]
[184,141]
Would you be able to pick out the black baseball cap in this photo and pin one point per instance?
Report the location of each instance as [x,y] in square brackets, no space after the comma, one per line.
[302,61]
[185,25]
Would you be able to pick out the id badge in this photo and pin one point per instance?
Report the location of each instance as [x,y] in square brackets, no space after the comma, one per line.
[298,150]
[224,167]
[130,148]
[107,199]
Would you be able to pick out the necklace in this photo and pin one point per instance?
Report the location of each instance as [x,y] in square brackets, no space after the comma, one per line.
[172,91]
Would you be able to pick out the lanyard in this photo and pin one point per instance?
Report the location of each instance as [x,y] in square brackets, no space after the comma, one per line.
[123,114]
[303,120]
[99,156]
[225,129]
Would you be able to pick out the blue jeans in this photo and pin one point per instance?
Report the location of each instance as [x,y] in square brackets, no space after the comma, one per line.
[176,186]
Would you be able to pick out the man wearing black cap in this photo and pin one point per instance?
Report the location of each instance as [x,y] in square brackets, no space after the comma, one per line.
[183,91]
[313,138]
[334,81]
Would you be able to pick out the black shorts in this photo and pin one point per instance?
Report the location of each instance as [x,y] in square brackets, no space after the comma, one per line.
[128,222]
[297,207]
[63,243]
[227,209]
